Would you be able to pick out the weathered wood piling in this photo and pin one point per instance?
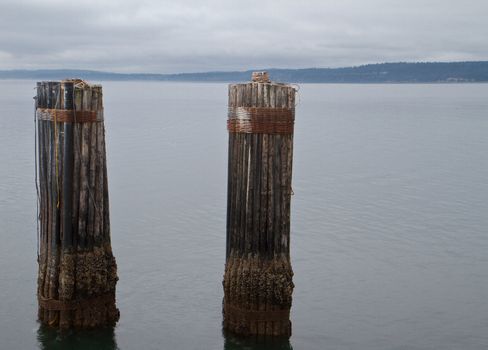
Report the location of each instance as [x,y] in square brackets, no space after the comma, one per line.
[77,270]
[258,275]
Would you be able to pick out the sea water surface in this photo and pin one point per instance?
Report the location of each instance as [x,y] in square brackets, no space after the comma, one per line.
[389,240]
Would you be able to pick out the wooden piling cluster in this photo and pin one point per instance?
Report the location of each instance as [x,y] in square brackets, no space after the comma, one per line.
[77,270]
[258,274]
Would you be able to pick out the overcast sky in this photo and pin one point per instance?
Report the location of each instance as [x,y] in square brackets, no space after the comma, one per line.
[186,36]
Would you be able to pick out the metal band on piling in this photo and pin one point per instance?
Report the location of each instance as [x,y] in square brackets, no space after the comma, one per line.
[65,305]
[261,120]
[69,116]
[258,316]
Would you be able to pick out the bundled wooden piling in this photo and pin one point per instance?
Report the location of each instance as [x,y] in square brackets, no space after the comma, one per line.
[258,275]
[77,270]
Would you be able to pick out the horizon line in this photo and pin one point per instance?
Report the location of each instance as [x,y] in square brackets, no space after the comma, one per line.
[234,71]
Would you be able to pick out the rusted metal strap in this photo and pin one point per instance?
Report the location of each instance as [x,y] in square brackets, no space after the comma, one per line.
[254,315]
[69,116]
[62,305]
[261,120]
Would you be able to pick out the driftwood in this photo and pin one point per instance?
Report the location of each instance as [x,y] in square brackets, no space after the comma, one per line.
[258,275]
[77,270]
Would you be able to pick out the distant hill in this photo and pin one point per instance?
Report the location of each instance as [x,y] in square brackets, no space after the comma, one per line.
[422,72]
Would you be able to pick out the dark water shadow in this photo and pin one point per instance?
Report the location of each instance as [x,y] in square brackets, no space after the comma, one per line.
[233,342]
[99,339]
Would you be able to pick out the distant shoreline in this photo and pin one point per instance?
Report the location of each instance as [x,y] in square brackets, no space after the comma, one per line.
[235,82]
[381,73]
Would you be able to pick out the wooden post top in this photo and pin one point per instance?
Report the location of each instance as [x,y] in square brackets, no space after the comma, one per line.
[76,82]
[260,77]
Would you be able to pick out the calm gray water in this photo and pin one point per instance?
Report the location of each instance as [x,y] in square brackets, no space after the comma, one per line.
[389,218]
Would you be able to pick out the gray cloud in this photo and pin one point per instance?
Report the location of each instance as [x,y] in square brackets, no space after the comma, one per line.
[172,36]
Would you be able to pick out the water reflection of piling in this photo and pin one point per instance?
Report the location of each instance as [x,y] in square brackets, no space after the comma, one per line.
[258,275]
[256,343]
[77,271]
[99,339]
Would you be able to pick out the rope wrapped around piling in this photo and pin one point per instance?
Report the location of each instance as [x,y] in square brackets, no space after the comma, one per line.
[261,120]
